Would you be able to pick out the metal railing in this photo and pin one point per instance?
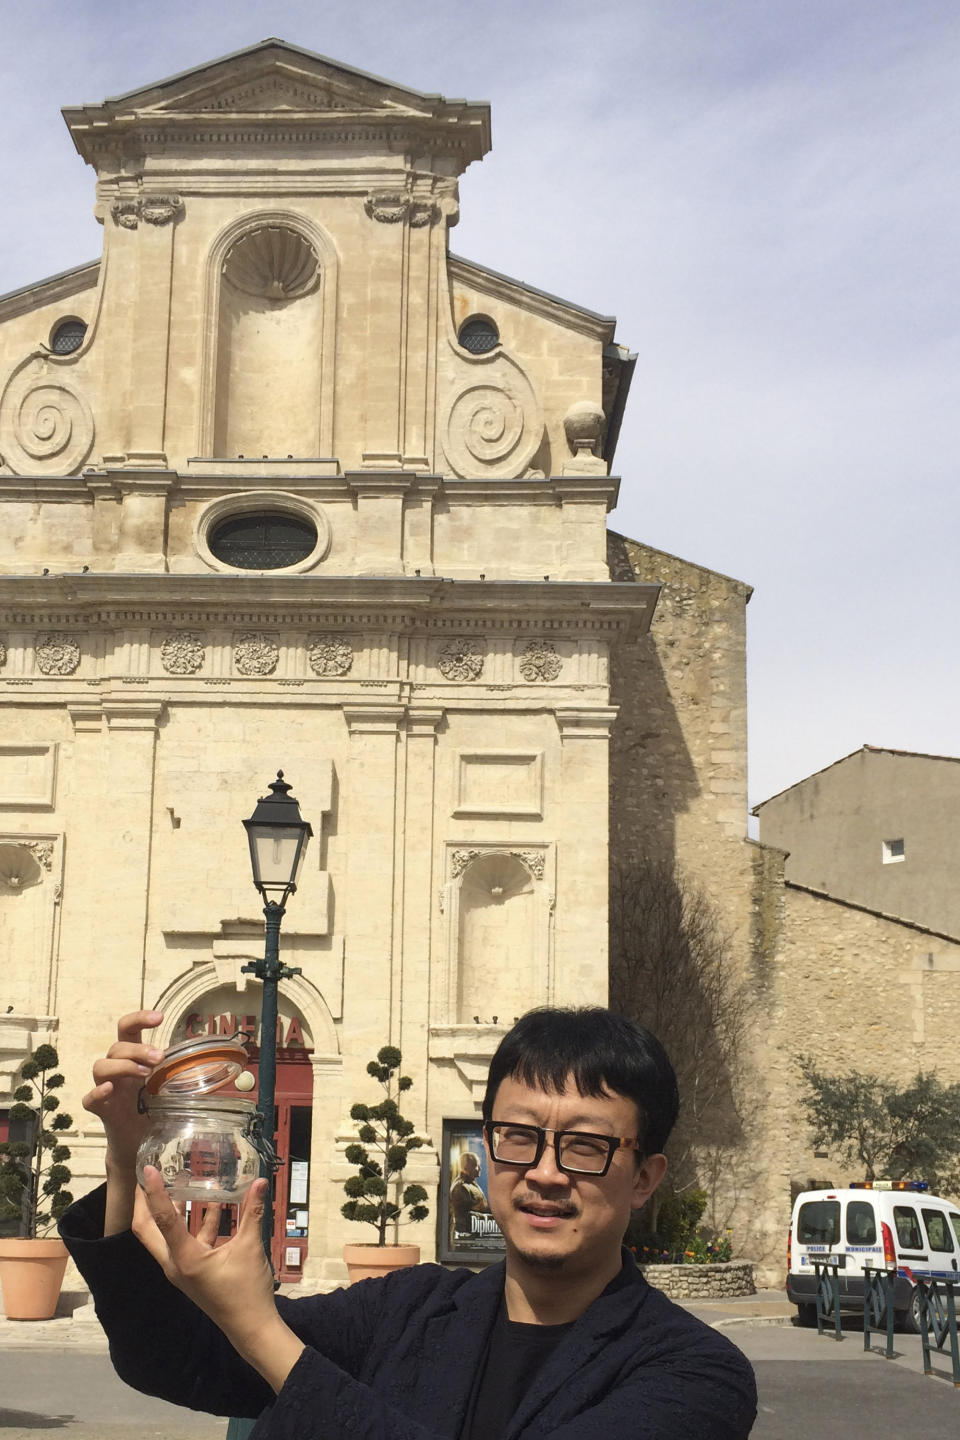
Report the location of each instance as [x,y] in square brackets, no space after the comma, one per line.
[938,1317]
[878,1314]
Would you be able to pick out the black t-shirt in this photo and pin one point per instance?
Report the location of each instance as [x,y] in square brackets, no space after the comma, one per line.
[514,1356]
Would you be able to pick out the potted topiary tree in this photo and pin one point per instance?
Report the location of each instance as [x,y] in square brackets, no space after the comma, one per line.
[32,1194]
[375,1196]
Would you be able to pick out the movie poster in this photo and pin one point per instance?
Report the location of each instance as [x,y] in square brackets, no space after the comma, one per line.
[466,1230]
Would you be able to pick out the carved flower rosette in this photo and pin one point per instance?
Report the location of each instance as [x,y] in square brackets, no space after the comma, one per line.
[57,655]
[255,654]
[329,655]
[182,653]
[461,659]
[540,661]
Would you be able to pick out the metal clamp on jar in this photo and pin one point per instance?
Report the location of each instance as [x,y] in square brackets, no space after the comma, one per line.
[206,1148]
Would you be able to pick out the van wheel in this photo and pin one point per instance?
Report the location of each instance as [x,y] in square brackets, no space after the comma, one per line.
[806,1315]
[911,1316]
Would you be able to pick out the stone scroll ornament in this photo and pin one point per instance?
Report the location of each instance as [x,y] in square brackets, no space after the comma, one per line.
[540,661]
[51,429]
[57,655]
[182,653]
[461,660]
[494,426]
[329,655]
[255,654]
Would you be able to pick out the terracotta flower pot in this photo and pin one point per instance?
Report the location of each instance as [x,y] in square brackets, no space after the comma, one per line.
[31,1273]
[365,1262]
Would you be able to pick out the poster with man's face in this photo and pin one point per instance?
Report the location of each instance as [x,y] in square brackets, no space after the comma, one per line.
[467,1230]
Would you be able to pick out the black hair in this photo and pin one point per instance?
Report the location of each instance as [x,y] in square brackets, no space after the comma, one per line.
[603,1052]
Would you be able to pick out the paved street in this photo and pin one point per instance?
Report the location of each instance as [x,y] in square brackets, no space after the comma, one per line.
[809,1387]
[812,1386]
[70,1394]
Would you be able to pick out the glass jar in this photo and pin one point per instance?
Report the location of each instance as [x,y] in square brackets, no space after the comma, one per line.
[206,1147]
[203,1147]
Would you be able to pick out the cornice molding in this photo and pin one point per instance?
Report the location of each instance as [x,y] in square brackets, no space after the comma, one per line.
[403,603]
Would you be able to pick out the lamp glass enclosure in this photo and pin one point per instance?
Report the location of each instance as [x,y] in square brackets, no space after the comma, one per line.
[276,854]
[206,1147]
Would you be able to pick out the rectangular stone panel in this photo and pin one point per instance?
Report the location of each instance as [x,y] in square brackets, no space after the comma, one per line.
[500,783]
[28,776]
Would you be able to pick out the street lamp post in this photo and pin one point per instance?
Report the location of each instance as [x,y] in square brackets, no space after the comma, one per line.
[278,841]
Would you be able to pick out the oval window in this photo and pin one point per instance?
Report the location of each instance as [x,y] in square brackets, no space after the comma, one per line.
[68,336]
[264,541]
[478,336]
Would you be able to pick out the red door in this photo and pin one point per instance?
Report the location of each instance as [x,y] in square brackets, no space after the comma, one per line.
[291,1185]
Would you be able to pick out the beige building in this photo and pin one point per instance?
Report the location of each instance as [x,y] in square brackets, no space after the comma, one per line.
[880,828]
[286,484]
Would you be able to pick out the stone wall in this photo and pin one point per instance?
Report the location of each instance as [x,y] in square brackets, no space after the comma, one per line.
[701,1282]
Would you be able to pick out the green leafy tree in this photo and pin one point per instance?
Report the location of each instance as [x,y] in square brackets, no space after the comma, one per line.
[32,1172]
[888,1131]
[386,1140]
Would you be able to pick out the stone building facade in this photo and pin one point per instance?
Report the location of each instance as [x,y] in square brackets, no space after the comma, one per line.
[880,828]
[286,484]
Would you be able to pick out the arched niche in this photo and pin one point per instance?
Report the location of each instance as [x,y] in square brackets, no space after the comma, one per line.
[30,879]
[499,935]
[270,310]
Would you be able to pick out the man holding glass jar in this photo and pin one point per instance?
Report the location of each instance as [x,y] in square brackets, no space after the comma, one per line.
[565,1338]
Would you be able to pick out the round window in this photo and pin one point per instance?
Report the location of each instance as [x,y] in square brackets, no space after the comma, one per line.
[478,336]
[68,336]
[264,541]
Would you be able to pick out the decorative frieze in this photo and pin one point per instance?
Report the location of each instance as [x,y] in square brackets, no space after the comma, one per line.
[539,661]
[329,655]
[256,653]
[57,654]
[461,659]
[389,207]
[182,653]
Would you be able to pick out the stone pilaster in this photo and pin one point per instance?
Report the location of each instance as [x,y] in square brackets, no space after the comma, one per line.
[580,933]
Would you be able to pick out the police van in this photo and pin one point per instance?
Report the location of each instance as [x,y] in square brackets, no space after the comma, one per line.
[879,1224]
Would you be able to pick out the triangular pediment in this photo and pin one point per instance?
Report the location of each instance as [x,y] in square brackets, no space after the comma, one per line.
[274,87]
[272,77]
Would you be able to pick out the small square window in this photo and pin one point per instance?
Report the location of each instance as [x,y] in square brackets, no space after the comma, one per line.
[894,850]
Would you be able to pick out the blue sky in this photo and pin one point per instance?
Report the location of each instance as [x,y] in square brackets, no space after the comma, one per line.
[764,192]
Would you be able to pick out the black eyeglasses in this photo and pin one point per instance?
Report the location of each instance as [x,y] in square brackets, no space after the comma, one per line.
[577,1151]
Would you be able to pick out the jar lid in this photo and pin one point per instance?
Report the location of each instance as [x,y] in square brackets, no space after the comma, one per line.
[195,1067]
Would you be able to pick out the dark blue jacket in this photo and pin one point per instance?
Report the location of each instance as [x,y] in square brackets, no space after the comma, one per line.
[395,1359]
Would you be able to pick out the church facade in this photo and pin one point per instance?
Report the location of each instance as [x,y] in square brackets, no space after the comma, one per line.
[287,485]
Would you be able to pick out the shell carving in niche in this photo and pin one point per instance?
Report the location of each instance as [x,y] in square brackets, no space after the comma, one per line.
[272,262]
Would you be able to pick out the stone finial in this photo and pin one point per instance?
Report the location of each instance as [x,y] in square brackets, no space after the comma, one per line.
[583,424]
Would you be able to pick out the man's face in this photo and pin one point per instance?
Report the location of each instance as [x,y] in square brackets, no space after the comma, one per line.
[469,1165]
[550,1218]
